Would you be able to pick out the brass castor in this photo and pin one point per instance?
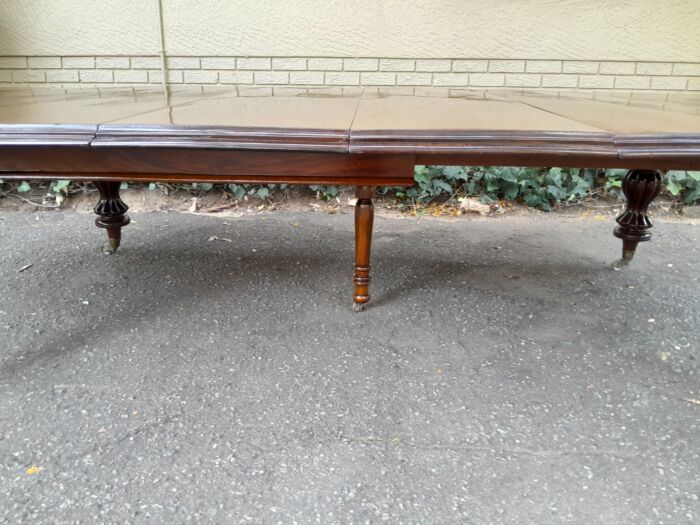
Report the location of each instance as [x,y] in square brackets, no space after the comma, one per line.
[110,247]
[622,263]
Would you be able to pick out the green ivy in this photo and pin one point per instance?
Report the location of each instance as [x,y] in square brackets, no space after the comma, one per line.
[60,186]
[540,188]
[685,185]
[326,192]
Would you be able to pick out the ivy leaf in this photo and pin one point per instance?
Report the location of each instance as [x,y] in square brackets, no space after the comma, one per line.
[237,190]
[554,177]
[206,186]
[537,199]
[455,173]
[422,179]
[674,188]
[263,192]
[579,191]
[443,185]
[556,193]
[675,176]
[529,173]
[510,190]
[532,199]
[124,186]
[615,174]
[692,196]
[695,175]
[526,183]
[510,174]
[24,187]
[61,185]
[152,186]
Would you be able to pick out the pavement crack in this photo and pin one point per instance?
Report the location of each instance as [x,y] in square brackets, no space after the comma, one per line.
[100,448]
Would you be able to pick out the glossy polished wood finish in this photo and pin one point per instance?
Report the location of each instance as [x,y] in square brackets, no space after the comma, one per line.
[205,165]
[653,131]
[492,147]
[232,122]
[658,151]
[534,129]
[641,188]
[111,212]
[364,220]
[222,138]
[46,135]
[342,137]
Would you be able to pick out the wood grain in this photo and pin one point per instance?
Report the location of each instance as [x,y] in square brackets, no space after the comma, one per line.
[364,220]
[657,151]
[536,149]
[46,135]
[222,138]
[205,165]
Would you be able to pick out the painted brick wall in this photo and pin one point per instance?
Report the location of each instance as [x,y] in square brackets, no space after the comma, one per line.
[74,71]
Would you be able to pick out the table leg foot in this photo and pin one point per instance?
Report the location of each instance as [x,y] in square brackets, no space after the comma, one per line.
[640,187]
[364,219]
[111,212]
[111,246]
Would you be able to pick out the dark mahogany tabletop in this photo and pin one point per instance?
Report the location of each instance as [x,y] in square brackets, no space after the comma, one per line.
[593,126]
[359,109]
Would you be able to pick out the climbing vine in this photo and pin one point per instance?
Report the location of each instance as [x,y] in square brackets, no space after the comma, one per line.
[541,188]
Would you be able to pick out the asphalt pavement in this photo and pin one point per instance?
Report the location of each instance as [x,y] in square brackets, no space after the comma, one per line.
[213,371]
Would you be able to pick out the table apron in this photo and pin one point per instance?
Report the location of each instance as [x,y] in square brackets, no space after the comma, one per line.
[202,165]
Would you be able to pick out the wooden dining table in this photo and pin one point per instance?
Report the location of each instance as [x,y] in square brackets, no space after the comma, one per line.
[367,138]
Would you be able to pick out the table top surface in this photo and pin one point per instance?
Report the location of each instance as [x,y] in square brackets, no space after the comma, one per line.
[342,119]
[362,109]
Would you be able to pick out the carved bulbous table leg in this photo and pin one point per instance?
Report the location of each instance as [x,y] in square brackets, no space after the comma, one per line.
[364,218]
[640,187]
[112,213]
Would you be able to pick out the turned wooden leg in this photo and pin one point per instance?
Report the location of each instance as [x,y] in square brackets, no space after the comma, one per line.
[112,213]
[640,187]
[364,218]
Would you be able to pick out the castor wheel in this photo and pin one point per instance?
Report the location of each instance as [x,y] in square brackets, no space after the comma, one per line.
[358,307]
[622,263]
[110,247]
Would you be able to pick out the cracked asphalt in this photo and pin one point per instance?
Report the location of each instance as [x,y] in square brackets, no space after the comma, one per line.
[502,374]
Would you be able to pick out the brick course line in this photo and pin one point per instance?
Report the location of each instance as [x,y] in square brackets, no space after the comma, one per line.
[290,74]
